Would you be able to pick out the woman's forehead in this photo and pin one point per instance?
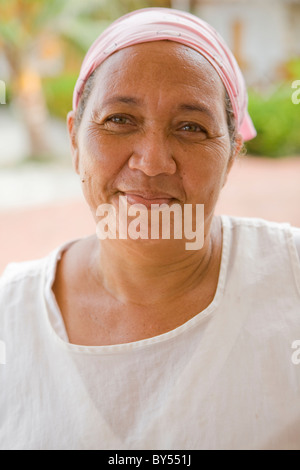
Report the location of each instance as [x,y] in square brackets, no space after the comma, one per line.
[160,61]
[164,52]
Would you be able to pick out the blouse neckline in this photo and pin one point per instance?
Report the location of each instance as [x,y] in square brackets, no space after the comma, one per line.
[55,321]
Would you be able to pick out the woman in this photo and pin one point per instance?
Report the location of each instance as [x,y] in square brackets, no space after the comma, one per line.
[139,343]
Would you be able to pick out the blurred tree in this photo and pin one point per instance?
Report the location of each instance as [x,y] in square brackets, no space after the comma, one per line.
[31,33]
[34,38]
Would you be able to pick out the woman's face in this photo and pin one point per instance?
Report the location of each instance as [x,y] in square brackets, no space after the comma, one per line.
[154,129]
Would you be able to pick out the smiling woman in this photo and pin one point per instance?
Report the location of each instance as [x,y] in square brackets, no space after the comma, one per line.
[140,343]
[131,143]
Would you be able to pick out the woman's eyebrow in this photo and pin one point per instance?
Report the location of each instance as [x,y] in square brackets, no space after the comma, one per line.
[122,99]
[200,108]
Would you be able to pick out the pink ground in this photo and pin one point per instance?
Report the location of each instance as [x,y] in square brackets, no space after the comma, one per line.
[256,187]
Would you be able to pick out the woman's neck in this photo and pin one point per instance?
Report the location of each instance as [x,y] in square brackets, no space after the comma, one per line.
[154,273]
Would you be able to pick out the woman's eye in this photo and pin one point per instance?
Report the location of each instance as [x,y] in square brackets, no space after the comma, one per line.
[118,120]
[192,128]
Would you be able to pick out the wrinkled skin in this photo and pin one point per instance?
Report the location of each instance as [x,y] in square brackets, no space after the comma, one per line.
[154,142]
[154,129]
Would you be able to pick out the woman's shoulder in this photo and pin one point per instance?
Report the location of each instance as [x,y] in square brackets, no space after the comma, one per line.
[20,290]
[296,238]
[262,236]
[256,222]
[17,273]
[269,228]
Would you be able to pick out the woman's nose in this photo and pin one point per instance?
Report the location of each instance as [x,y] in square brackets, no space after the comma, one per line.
[152,155]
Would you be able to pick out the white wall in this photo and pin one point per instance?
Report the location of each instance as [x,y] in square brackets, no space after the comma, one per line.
[265,39]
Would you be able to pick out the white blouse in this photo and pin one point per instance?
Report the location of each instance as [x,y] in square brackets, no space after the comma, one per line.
[229,378]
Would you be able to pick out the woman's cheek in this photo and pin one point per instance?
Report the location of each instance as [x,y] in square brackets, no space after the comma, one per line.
[98,166]
[204,175]
[91,178]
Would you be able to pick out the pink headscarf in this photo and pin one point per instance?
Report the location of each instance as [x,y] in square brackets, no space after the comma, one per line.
[156,24]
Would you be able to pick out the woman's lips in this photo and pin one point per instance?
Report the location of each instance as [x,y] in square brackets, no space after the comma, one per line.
[148,200]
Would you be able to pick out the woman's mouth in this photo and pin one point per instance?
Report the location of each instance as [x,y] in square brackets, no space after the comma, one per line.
[148,200]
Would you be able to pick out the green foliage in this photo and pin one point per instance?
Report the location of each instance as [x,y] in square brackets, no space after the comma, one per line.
[293,68]
[58,92]
[277,121]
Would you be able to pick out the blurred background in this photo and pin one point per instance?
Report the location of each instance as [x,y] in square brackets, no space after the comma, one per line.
[42,45]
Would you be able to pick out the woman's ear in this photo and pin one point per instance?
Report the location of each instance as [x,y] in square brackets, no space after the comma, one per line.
[238,144]
[73,140]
